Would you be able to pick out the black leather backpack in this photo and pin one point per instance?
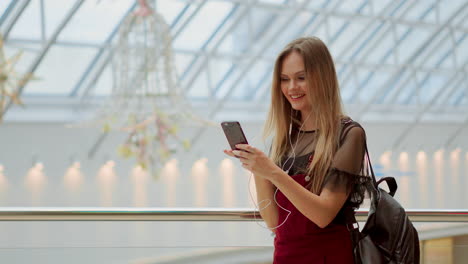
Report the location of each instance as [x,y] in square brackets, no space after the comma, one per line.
[388,235]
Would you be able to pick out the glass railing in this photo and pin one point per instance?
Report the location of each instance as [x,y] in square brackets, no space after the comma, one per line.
[181,235]
[187,214]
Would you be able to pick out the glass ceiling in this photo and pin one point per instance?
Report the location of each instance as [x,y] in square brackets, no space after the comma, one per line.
[408,58]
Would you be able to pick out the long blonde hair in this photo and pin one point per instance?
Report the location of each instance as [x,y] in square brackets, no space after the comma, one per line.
[325,99]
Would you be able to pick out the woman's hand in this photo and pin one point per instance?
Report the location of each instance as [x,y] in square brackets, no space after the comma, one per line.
[254,160]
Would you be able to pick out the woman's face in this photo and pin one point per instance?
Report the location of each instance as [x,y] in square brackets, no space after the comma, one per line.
[293,82]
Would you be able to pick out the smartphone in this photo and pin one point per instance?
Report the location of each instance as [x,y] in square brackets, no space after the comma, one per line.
[234,133]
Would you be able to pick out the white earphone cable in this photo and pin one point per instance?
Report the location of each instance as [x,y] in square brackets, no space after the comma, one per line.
[293,150]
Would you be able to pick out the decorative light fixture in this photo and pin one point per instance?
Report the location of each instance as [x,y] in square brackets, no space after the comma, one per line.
[10,80]
[145,101]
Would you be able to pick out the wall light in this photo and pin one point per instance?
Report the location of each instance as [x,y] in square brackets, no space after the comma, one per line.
[73,178]
[199,175]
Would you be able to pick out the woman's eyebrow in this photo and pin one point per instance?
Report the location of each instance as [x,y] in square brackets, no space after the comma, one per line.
[299,72]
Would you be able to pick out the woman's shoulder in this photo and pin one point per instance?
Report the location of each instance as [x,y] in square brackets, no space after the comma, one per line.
[351,129]
[346,120]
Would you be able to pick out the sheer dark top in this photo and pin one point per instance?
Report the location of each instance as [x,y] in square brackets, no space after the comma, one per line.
[348,172]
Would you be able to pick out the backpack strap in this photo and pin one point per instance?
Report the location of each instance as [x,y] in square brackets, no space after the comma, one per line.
[391,182]
[348,124]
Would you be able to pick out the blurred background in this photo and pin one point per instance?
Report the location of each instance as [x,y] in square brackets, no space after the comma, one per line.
[117,103]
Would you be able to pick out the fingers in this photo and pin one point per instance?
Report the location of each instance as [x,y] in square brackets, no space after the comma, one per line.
[236,154]
[246,166]
[229,153]
[246,147]
[245,153]
[242,154]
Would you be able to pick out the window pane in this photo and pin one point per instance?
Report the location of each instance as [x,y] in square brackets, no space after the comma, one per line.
[60,69]
[3,6]
[95,20]
[202,25]
[28,25]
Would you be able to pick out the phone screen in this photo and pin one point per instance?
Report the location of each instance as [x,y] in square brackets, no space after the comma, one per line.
[234,133]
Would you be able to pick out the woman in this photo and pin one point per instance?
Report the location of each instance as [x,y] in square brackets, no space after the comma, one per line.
[316,165]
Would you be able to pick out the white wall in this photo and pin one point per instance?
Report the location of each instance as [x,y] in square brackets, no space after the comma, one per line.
[438,184]
[56,147]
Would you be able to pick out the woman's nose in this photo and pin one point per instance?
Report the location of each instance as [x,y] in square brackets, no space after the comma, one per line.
[292,84]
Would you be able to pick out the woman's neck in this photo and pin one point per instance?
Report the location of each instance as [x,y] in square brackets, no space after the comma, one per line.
[307,121]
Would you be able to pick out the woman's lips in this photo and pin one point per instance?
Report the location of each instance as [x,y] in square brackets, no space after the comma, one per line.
[295,98]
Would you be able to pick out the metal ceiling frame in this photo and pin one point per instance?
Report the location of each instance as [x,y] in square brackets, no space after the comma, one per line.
[264,89]
[377,37]
[15,16]
[426,107]
[8,11]
[416,54]
[98,55]
[32,68]
[202,52]
[253,58]
[105,61]
[388,18]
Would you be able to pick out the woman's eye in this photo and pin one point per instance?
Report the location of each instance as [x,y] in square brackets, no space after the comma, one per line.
[284,79]
[302,78]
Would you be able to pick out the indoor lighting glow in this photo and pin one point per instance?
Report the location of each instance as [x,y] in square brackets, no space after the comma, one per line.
[439,155]
[386,160]
[140,182]
[226,170]
[439,177]
[404,161]
[200,175]
[454,176]
[421,156]
[170,170]
[35,181]
[170,174]
[107,180]
[3,179]
[73,177]
[403,165]
[455,155]
[421,168]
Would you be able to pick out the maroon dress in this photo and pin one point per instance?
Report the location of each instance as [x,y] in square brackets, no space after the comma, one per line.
[300,241]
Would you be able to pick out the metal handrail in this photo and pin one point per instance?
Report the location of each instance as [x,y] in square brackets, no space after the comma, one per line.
[186,214]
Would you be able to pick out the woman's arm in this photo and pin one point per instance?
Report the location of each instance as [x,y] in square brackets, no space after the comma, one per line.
[320,209]
[266,205]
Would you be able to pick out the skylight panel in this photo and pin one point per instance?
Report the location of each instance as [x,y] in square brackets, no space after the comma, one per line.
[202,25]
[95,21]
[28,25]
[59,71]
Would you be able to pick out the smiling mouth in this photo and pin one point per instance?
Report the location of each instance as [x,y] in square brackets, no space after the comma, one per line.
[294,97]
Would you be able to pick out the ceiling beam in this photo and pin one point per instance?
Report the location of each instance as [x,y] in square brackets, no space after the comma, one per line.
[99,54]
[455,80]
[91,85]
[32,68]
[429,54]
[412,58]
[15,18]
[8,11]
[252,59]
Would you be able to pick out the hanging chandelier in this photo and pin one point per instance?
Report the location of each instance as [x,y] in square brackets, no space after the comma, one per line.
[145,101]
